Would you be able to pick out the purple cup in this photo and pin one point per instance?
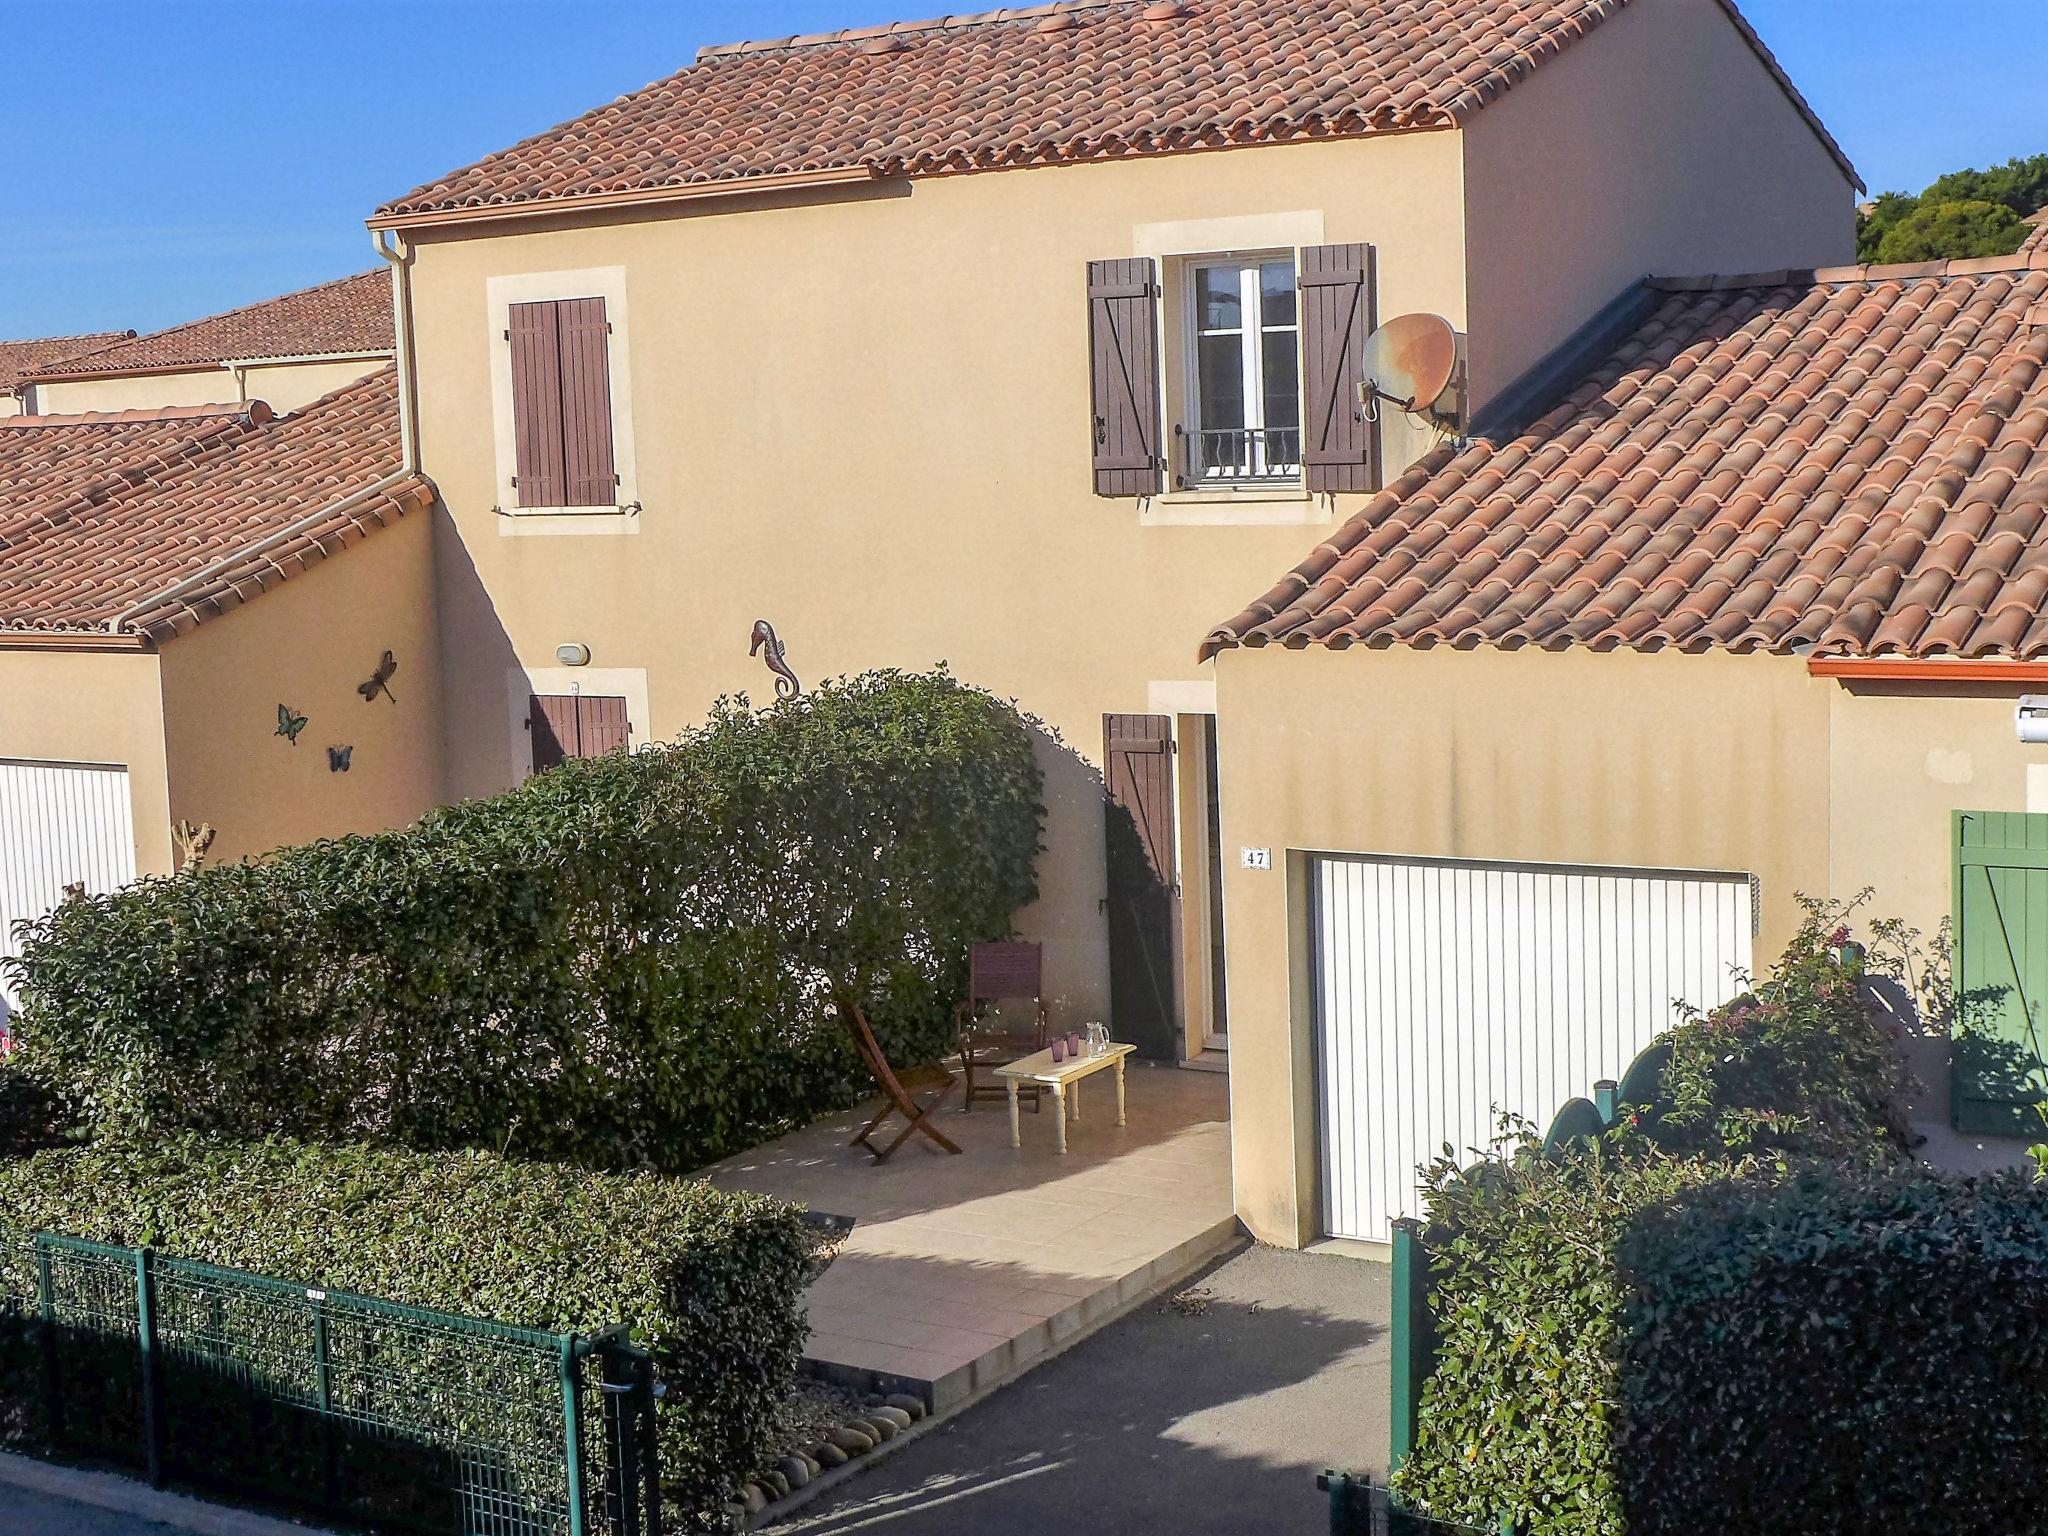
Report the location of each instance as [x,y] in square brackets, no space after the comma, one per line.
[1074,1046]
[1059,1049]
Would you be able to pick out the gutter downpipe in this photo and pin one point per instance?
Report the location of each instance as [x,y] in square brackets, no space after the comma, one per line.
[291,530]
[400,260]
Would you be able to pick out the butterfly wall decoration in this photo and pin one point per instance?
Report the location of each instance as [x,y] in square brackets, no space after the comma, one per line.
[289,723]
[338,758]
[380,680]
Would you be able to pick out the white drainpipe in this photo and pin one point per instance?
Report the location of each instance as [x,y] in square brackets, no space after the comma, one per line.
[401,334]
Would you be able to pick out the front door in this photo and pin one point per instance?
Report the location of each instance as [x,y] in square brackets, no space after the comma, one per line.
[1137,767]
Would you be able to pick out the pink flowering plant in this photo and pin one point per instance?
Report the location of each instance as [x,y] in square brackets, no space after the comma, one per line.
[1805,1062]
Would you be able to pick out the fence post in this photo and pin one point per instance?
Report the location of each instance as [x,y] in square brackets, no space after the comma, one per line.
[323,1374]
[572,1436]
[1414,1339]
[46,1309]
[1607,1098]
[152,1381]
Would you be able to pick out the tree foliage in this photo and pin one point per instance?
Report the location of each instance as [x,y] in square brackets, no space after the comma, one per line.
[1964,213]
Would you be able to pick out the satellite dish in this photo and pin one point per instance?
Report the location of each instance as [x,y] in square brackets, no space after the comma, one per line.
[1409,361]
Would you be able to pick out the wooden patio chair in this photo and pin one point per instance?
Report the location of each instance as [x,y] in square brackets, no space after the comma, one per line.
[896,1099]
[996,973]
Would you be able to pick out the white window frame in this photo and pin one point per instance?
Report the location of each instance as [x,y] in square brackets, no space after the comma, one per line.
[501,293]
[1252,350]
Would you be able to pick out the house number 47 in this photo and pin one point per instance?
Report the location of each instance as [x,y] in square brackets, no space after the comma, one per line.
[1258,858]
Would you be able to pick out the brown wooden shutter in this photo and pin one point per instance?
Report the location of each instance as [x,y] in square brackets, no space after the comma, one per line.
[585,350]
[1138,847]
[534,334]
[552,720]
[1123,343]
[601,726]
[1337,314]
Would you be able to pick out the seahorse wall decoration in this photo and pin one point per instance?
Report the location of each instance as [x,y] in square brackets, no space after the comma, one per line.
[770,649]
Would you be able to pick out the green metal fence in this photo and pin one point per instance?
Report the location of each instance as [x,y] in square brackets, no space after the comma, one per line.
[383,1416]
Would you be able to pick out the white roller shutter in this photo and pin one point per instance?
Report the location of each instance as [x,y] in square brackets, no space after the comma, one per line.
[60,823]
[1447,992]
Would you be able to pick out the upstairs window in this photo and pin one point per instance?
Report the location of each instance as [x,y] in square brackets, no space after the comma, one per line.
[1244,389]
[562,404]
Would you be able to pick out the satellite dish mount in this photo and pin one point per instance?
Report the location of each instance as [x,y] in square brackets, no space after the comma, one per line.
[1411,362]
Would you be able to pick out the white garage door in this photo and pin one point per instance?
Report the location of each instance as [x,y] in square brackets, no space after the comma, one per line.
[1447,992]
[59,823]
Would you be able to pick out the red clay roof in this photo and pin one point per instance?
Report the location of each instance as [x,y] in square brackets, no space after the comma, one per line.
[1851,462]
[99,514]
[1041,85]
[351,315]
[20,358]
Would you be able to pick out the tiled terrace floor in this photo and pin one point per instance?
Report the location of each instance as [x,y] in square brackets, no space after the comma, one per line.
[962,1271]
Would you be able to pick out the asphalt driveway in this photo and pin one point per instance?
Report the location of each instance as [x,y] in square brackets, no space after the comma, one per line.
[1211,1411]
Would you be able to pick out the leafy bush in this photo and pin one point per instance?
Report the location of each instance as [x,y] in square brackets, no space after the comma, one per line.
[627,961]
[1836,1354]
[1521,1413]
[1524,1411]
[712,1283]
[1800,1064]
[1964,213]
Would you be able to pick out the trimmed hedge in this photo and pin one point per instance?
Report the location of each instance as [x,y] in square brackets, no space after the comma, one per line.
[1837,1354]
[1525,1410]
[712,1283]
[625,962]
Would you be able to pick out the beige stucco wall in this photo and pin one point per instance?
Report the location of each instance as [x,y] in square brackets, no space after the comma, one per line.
[283,386]
[1658,144]
[307,643]
[1621,758]
[1662,760]
[1905,755]
[86,707]
[866,419]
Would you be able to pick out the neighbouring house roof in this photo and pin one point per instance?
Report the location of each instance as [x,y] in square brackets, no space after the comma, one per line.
[2037,234]
[1852,461]
[1040,85]
[18,359]
[102,515]
[348,317]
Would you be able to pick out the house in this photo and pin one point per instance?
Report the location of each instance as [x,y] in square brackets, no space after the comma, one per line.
[1016,341]
[18,359]
[1741,599]
[169,598]
[287,352]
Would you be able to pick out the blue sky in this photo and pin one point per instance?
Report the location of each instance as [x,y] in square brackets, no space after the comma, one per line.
[167,160]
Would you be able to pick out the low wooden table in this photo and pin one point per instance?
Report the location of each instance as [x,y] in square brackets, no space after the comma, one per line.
[1040,1068]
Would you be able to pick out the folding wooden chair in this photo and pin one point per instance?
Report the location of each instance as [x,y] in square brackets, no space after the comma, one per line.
[1000,972]
[896,1098]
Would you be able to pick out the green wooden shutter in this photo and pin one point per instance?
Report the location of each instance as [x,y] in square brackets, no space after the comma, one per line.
[1999,1073]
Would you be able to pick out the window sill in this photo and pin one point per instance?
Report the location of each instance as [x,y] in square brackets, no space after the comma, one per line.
[527,522]
[1239,506]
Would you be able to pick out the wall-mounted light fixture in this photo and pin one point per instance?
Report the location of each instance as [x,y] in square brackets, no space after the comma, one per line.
[2030,716]
[573,655]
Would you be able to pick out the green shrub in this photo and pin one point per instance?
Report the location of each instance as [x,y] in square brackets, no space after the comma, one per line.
[1843,1352]
[624,962]
[1525,1409]
[1800,1064]
[712,1283]
[1522,1410]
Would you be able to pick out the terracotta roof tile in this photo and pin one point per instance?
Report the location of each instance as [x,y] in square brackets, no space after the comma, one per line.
[1042,85]
[349,316]
[101,515]
[18,359]
[1850,461]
